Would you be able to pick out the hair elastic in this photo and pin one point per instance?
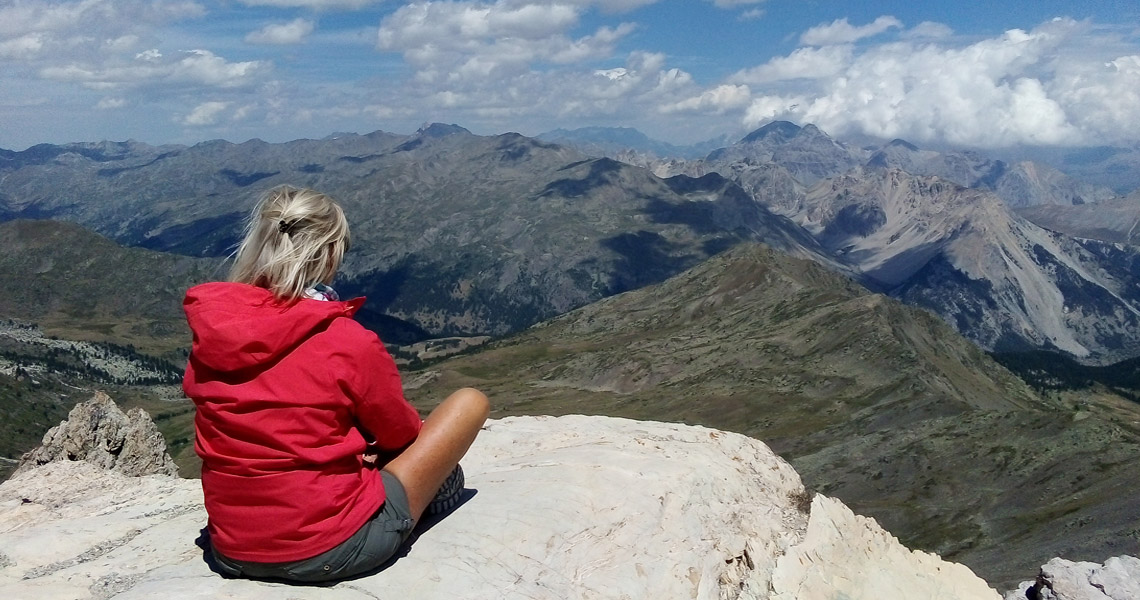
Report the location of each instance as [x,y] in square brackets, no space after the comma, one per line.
[286,228]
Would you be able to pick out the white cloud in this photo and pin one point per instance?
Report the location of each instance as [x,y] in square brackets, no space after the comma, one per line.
[151,55]
[206,113]
[1102,99]
[109,103]
[90,17]
[204,67]
[735,3]
[23,46]
[194,67]
[421,27]
[928,30]
[454,42]
[123,43]
[314,4]
[632,91]
[752,15]
[1016,88]
[293,32]
[842,32]
[716,100]
[807,63]
[768,108]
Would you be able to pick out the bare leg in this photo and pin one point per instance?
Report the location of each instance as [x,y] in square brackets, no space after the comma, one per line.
[446,435]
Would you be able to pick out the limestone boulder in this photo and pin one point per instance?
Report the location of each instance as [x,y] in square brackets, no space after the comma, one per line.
[567,507]
[98,432]
[1117,579]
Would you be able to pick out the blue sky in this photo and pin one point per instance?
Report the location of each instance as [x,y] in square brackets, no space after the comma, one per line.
[964,73]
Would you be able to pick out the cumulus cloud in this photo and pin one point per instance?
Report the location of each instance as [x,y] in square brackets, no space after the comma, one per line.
[90,17]
[314,4]
[1016,88]
[206,113]
[465,41]
[809,63]
[842,32]
[97,43]
[195,67]
[1103,99]
[293,32]
[716,100]
[624,94]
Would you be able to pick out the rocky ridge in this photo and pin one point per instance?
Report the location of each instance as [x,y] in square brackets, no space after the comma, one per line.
[936,230]
[97,432]
[1000,280]
[1113,221]
[716,515]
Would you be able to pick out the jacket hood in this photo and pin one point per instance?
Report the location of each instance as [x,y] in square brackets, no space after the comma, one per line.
[237,326]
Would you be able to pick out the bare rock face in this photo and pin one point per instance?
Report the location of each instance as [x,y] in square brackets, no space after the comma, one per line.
[1117,579]
[830,563]
[98,432]
[556,508]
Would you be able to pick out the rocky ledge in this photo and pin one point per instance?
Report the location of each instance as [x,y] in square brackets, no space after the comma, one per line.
[568,507]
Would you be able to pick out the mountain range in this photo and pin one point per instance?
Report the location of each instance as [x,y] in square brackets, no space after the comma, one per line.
[939,231]
[611,141]
[453,233]
[459,234]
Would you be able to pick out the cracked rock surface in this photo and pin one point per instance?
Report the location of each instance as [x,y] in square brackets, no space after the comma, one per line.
[567,507]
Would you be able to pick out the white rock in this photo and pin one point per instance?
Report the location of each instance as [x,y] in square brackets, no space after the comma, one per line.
[845,555]
[569,507]
[1117,579]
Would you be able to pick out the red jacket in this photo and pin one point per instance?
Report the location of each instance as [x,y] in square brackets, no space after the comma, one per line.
[284,395]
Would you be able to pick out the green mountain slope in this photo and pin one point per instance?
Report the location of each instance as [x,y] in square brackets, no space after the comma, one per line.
[879,404]
[79,285]
[79,312]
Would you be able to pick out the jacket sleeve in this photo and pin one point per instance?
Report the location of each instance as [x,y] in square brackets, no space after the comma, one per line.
[378,395]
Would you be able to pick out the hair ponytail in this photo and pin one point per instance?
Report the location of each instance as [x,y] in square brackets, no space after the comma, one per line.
[294,238]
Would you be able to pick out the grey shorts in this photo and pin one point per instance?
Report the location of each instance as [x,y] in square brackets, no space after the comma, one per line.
[369,548]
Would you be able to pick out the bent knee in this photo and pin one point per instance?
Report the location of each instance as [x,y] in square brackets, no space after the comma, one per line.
[474,400]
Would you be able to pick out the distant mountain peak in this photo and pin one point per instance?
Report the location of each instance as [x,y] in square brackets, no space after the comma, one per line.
[620,141]
[777,131]
[900,143]
[439,130]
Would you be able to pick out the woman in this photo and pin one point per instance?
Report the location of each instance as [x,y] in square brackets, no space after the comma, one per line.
[290,392]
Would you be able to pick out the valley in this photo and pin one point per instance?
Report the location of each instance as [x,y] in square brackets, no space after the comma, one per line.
[873,402]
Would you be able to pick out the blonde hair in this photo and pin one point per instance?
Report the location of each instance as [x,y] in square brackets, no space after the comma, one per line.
[294,239]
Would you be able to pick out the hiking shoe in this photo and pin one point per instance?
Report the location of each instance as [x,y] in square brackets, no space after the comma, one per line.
[449,493]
